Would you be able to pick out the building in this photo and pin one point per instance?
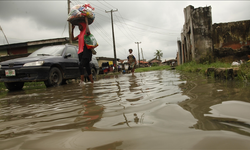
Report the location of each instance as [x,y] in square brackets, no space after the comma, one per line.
[111,61]
[202,41]
[16,50]
[170,62]
[154,60]
[196,37]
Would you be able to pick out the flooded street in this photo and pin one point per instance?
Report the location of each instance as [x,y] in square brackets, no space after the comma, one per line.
[154,110]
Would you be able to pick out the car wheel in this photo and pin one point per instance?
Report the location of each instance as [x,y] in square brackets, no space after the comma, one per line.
[55,77]
[13,86]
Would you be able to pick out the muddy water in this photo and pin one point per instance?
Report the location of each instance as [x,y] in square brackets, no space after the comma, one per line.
[150,111]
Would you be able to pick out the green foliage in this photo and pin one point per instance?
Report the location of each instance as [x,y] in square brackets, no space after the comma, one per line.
[244,71]
[194,67]
[34,85]
[158,54]
[155,64]
[2,86]
[27,85]
[153,68]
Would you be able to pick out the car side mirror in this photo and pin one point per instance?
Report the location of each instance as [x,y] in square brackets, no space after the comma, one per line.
[67,55]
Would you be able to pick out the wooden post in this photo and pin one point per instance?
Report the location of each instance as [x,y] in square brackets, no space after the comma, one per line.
[113,35]
[69,24]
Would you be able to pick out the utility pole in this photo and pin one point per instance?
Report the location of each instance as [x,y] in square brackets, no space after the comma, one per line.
[4,35]
[138,51]
[113,35]
[142,54]
[70,27]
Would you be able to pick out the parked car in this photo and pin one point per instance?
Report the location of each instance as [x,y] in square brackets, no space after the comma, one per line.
[51,64]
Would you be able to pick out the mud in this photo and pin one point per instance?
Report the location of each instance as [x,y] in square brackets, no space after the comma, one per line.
[151,110]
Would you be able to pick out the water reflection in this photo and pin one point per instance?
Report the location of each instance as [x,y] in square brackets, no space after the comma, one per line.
[134,90]
[206,93]
[111,146]
[133,84]
[91,112]
[151,110]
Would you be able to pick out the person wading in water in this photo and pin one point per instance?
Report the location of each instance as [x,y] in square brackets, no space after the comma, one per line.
[84,54]
[131,61]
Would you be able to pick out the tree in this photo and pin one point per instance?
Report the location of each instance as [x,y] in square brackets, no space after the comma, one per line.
[158,54]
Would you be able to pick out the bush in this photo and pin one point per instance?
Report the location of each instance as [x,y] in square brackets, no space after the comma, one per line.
[194,67]
[152,68]
[155,64]
[244,71]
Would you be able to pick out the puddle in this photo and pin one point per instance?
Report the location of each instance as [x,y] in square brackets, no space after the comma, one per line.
[153,110]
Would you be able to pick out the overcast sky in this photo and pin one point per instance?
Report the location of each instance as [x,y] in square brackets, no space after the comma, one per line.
[156,24]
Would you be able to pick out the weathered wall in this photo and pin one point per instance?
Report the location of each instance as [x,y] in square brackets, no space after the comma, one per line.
[179,53]
[196,37]
[202,34]
[187,34]
[203,42]
[231,41]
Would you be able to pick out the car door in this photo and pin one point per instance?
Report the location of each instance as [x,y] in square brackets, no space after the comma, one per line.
[71,63]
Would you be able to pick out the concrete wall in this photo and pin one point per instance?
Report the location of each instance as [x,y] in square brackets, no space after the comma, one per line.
[202,34]
[231,41]
[203,42]
[196,38]
[179,53]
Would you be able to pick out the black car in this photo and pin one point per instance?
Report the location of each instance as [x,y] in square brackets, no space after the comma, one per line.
[51,64]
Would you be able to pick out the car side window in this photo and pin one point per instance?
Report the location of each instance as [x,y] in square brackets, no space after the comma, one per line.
[72,51]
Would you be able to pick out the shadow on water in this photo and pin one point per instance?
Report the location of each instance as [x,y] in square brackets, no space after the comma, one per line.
[205,94]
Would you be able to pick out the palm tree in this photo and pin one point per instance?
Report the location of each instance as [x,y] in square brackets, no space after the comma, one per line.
[158,54]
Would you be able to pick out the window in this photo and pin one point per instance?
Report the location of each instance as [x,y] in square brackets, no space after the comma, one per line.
[72,51]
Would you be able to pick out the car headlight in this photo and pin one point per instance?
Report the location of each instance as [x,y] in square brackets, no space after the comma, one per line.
[35,63]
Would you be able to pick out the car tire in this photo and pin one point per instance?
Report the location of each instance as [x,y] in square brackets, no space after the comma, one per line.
[13,86]
[55,77]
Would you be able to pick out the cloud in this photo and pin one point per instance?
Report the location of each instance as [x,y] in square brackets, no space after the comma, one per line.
[156,24]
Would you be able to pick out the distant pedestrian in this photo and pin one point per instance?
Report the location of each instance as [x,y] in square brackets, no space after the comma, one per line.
[173,63]
[131,61]
[84,54]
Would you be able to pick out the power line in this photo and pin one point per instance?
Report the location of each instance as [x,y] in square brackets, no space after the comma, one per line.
[94,25]
[131,35]
[145,24]
[149,31]
[103,4]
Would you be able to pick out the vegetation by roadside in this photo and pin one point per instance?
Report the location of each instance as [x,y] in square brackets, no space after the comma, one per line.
[153,68]
[194,67]
[243,71]
[27,85]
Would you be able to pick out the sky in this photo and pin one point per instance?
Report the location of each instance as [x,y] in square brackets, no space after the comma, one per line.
[157,24]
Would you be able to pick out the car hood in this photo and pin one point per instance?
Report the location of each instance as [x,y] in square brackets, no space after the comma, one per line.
[24,60]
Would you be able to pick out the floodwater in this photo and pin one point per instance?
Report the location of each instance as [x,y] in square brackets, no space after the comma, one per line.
[154,110]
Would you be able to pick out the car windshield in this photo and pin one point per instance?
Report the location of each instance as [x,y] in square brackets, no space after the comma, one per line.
[48,51]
